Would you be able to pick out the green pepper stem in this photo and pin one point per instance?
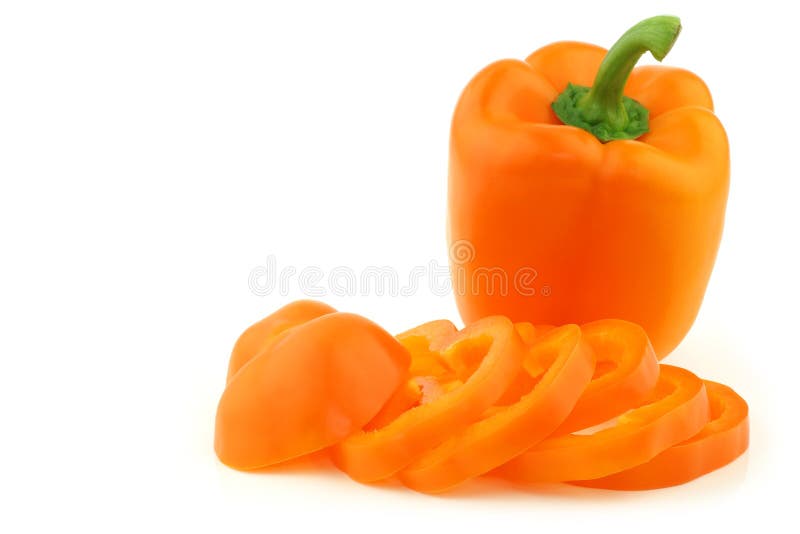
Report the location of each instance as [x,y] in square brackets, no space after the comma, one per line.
[602,109]
[656,34]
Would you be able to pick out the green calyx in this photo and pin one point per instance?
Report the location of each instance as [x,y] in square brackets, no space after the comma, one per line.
[602,109]
[630,121]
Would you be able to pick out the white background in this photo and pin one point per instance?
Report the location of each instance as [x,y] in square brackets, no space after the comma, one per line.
[152,154]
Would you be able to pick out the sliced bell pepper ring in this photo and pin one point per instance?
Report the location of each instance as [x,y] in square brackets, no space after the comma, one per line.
[534,367]
[323,381]
[529,333]
[720,442]
[423,343]
[525,381]
[626,371]
[679,410]
[493,343]
[263,333]
[625,374]
[418,390]
[408,395]
[510,430]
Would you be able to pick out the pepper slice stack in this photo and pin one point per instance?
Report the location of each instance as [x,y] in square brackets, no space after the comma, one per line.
[724,438]
[679,410]
[510,430]
[493,348]
[435,406]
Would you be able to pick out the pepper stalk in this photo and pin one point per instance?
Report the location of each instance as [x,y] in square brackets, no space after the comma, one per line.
[602,109]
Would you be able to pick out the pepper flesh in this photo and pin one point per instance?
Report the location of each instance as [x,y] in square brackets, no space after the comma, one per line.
[323,381]
[643,218]
[494,348]
[721,441]
[510,430]
[679,410]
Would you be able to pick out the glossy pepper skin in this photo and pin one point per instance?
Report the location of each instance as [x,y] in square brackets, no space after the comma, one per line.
[626,229]
[317,383]
[269,330]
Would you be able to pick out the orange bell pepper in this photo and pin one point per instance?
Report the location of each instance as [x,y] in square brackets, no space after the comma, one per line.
[720,442]
[623,220]
[625,374]
[510,430]
[493,349]
[322,381]
[265,332]
[678,411]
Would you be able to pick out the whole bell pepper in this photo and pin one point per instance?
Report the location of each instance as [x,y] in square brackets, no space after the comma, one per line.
[585,189]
